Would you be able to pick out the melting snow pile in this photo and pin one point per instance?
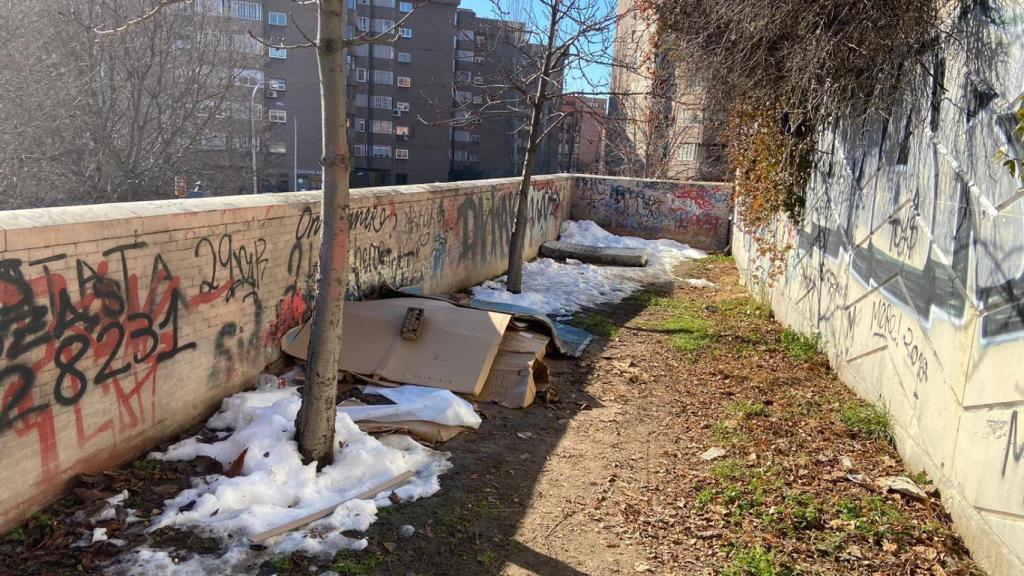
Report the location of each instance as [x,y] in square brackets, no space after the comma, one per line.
[274,487]
[559,289]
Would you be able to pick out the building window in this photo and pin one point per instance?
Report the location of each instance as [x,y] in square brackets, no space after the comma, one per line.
[402,106]
[463,76]
[402,131]
[277,18]
[350,32]
[361,49]
[279,53]
[405,6]
[247,10]
[360,74]
[401,153]
[275,115]
[277,84]
[474,157]
[464,55]
[463,97]
[405,32]
[478,80]
[382,25]
[475,138]
[383,51]
[382,102]
[688,152]
[382,127]
[351,4]
[363,23]
[401,178]
[364,2]
[460,155]
[359,150]
[277,148]
[384,3]
[405,57]
[404,82]
[383,77]
[381,151]
[460,136]
[360,124]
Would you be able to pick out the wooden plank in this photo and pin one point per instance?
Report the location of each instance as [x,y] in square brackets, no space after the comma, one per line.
[394,482]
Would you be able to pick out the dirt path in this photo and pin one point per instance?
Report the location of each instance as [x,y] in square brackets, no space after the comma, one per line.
[609,478]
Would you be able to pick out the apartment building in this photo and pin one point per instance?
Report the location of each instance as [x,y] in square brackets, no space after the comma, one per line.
[404,96]
[581,134]
[663,124]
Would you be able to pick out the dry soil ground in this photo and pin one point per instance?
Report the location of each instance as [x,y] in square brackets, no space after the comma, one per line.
[608,478]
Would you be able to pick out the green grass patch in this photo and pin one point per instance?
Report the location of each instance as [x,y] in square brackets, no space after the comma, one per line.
[873,516]
[867,420]
[729,434]
[727,469]
[755,561]
[749,409]
[355,563]
[744,308]
[804,510]
[595,324]
[799,347]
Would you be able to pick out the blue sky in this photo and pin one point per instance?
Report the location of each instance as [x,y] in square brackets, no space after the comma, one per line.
[485,8]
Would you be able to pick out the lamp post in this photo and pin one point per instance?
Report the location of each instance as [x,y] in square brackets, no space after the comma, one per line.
[252,133]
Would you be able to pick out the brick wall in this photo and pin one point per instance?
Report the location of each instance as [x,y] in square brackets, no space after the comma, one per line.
[694,213]
[122,325]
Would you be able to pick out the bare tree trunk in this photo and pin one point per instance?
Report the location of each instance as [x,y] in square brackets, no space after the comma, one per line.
[315,422]
[514,283]
[518,240]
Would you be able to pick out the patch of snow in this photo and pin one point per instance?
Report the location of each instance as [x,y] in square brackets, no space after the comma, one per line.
[560,289]
[99,535]
[275,487]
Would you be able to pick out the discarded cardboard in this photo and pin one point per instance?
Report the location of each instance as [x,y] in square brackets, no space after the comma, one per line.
[427,432]
[517,369]
[602,255]
[454,349]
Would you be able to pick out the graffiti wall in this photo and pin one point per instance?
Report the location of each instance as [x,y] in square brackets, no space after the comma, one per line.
[694,213]
[122,325]
[910,267]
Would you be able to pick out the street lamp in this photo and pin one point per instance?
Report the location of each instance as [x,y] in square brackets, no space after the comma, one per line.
[252,132]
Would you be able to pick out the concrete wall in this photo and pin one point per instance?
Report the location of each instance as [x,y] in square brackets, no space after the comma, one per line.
[694,213]
[123,324]
[910,266]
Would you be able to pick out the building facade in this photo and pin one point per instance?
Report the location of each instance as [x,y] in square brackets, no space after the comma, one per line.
[404,95]
[662,123]
[581,134]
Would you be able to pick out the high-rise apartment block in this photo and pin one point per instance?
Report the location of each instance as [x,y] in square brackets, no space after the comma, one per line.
[404,94]
[662,123]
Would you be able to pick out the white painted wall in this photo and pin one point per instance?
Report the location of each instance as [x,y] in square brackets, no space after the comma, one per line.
[910,266]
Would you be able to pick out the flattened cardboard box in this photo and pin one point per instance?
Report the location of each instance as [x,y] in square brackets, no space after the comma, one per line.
[455,348]
[517,370]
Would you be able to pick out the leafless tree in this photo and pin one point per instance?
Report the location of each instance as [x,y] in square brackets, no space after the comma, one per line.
[535,51]
[102,105]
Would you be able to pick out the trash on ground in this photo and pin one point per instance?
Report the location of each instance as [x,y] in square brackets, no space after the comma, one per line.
[600,255]
[517,369]
[901,485]
[700,283]
[454,347]
[415,403]
[712,453]
[406,531]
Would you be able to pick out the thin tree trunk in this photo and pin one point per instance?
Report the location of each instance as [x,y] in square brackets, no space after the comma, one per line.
[315,422]
[514,283]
